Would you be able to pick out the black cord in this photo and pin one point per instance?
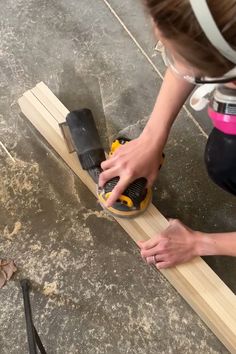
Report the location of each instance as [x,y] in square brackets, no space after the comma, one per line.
[32,334]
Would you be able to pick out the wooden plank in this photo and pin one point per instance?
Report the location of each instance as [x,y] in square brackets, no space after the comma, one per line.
[213,301]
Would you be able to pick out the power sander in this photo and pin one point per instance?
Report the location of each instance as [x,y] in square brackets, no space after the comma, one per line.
[81,135]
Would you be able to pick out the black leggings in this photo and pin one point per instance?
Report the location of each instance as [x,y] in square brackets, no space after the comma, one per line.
[220,159]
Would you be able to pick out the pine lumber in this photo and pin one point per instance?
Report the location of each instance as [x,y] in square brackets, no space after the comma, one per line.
[197,283]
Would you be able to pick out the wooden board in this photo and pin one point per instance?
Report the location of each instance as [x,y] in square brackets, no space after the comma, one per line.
[197,283]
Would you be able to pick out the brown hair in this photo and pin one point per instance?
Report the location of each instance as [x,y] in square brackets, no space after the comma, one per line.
[177,22]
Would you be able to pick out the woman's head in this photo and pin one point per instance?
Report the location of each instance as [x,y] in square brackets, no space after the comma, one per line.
[178,27]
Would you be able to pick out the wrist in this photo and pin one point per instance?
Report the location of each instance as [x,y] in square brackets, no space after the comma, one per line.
[155,137]
[205,244]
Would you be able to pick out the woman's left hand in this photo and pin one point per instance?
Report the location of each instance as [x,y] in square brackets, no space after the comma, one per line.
[177,244]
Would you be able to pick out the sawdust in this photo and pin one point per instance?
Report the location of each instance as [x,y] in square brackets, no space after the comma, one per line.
[9,235]
[50,288]
[62,258]
[21,182]
[19,185]
[74,191]
[99,214]
[62,254]
[35,247]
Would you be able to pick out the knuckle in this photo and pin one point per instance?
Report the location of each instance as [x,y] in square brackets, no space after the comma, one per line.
[117,189]
[120,165]
[101,178]
[123,164]
[118,152]
[175,222]
[145,247]
[152,177]
[130,171]
[144,253]
[165,242]
[163,245]
[125,167]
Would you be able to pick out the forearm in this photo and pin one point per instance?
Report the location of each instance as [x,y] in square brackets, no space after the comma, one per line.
[223,244]
[173,93]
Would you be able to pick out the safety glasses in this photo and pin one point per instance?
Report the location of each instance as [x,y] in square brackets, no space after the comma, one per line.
[188,73]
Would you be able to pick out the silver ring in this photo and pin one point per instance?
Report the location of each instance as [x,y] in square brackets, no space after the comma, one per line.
[153,259]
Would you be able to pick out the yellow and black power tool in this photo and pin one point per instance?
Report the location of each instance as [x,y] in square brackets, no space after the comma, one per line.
[134,200]
[84,136]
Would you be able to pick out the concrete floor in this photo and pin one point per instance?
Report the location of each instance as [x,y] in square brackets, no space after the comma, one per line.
[91,291]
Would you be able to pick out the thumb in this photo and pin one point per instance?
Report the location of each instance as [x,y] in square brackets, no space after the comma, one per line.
[118,190]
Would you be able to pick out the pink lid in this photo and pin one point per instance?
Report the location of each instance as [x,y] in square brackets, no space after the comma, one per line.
[224,122]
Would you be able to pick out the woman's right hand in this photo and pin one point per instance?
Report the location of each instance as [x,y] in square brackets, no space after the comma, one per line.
[138,158]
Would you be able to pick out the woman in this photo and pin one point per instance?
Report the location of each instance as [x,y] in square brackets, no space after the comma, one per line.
[199,38]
